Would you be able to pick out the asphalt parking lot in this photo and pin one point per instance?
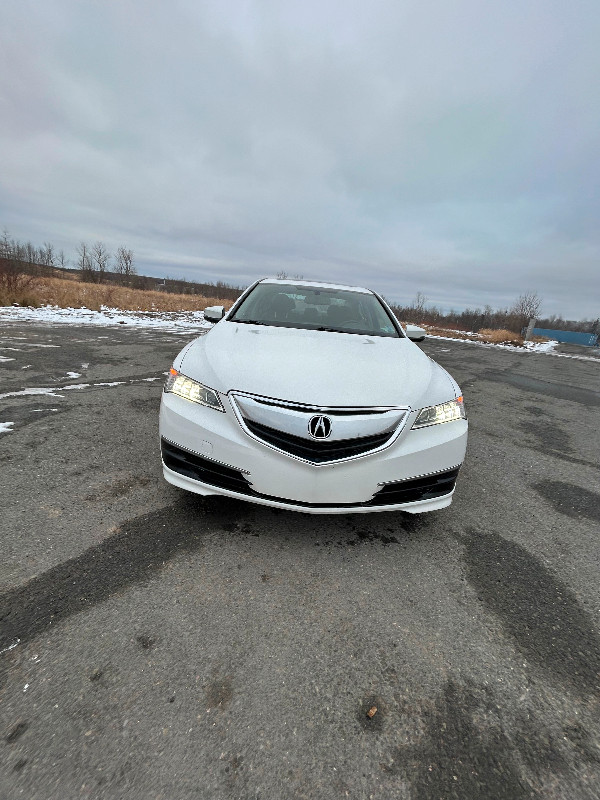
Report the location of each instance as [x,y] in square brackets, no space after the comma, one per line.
[155,644]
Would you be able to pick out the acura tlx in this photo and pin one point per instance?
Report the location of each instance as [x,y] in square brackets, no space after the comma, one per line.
[312,397]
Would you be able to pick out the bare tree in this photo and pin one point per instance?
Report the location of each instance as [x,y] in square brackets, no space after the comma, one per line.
[419,302]
[100,259]
[84,263]
[416,310]
[6,245]
[47,254]
[62,260]
[124,265]
[30,254]
[14,284]
[18,251]
[526,306]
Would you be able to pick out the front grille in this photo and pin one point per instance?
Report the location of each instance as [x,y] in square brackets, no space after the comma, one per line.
[428,487]
[203,469]
[318,451]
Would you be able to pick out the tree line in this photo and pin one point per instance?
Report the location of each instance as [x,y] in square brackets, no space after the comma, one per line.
[512,318]
[94,263]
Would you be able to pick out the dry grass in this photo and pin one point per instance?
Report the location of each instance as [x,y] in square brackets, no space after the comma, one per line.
[501,337]
[485,335]
[450,334]
[67,293]
[17,288]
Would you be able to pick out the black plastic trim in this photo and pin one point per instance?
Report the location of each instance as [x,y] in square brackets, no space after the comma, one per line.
[428,487]
[203,469]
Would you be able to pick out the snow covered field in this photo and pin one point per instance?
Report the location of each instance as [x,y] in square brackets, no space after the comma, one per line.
[183,321]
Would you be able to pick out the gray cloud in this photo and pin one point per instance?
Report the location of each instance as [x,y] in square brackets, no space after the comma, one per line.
[446,148]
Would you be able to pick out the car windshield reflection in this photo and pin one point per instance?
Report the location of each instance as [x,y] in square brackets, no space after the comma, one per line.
[332,310]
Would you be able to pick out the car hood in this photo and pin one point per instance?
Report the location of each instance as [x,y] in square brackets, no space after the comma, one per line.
[315,367]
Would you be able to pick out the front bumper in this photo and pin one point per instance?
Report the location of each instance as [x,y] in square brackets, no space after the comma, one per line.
[207,452]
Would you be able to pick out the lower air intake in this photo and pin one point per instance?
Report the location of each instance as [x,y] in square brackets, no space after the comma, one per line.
[428,487]
[203,469]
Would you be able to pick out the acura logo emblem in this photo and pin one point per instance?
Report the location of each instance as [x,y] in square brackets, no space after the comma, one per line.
[319,427]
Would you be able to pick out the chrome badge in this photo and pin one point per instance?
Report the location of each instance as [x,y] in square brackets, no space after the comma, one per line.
[319,427]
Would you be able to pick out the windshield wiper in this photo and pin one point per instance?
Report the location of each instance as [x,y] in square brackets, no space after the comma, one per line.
[332,330]
[250,321]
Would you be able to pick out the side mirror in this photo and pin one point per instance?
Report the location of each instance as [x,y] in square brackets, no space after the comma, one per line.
[415,334]
[214,313]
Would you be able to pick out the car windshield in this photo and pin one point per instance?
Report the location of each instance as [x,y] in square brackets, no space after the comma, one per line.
[315,308]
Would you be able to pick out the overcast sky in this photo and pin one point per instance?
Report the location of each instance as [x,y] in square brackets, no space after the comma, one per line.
[450,147]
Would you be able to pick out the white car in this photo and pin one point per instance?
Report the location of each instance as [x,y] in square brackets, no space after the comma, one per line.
[311,397]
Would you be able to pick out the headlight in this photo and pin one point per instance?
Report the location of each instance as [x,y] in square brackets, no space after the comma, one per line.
[192,390]
[445,412]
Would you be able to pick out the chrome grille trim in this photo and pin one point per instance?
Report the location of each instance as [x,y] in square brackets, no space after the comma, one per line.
[347,410]
[289,434]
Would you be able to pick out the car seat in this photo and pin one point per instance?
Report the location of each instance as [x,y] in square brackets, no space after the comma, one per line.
[280,306]
[337,315]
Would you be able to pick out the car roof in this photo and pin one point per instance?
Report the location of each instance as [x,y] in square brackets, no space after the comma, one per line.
[315,284]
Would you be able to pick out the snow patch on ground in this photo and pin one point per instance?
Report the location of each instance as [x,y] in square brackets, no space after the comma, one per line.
[33,390]
[54,390]
[73,374]
[541,347]
[530,347]
[4,358]
[167,320]
[6,427]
